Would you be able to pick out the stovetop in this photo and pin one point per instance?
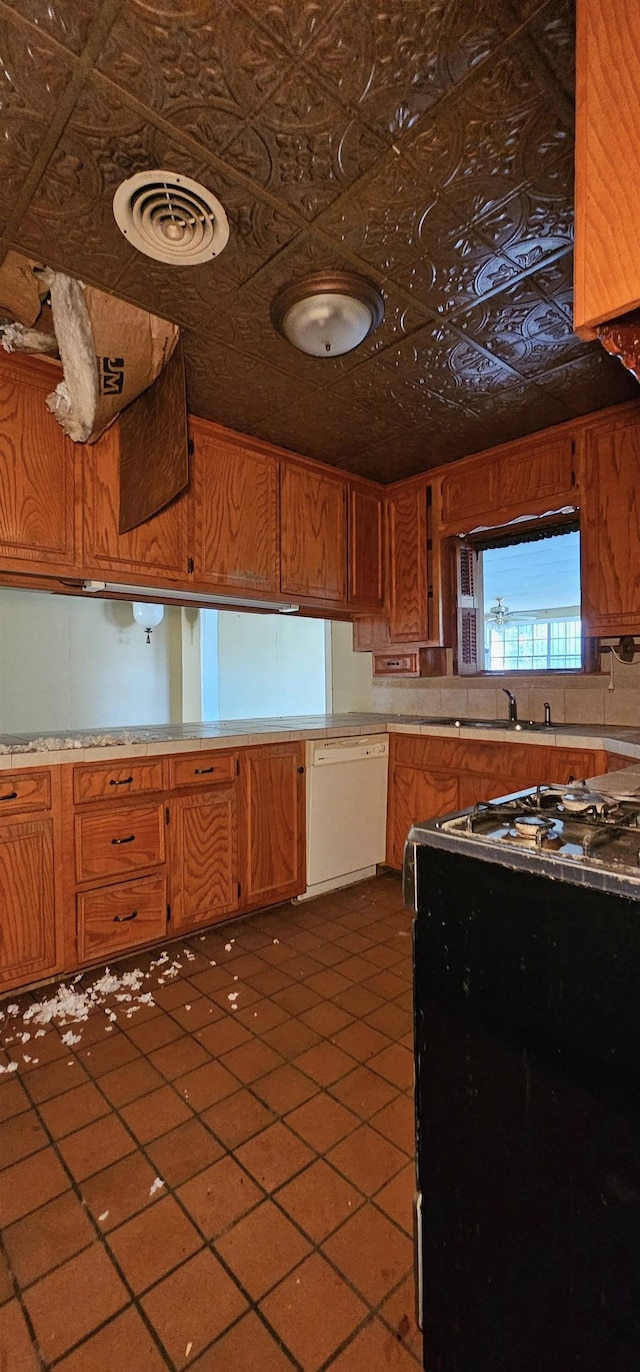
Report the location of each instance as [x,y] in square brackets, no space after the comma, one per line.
[558,823]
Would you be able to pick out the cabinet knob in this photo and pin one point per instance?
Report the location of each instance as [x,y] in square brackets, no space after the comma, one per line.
[11,795]
[203,771]
[125,782]
[300,771]
[124,840]
[125,919]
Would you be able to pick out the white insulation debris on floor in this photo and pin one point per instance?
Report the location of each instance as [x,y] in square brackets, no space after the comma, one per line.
[71,1003]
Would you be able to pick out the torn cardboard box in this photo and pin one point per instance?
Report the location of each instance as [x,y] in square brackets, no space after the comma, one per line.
[110,351]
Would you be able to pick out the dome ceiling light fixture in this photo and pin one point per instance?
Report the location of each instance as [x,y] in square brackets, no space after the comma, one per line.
[328,313]
[171,218]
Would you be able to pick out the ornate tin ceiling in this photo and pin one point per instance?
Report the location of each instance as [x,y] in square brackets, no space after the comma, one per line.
[425,143]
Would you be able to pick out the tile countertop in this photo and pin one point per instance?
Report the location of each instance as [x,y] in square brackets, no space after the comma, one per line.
[30,750]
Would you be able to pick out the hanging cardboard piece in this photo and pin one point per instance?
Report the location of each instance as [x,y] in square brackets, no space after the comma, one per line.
[20,290]
[110,350]
[154,461]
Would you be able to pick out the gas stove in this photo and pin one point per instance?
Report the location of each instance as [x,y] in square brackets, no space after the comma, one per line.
[565,823]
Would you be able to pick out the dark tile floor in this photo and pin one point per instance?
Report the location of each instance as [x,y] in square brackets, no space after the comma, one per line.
[221,1179]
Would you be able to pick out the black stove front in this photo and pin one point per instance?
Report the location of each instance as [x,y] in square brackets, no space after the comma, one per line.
[527,1002]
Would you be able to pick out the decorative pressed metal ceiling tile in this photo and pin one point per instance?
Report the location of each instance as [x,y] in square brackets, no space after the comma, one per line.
[67,21]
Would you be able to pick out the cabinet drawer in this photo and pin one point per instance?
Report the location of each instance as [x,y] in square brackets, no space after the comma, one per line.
[119,917]
[122,840]
[24,791]
[202,769]
[109,781]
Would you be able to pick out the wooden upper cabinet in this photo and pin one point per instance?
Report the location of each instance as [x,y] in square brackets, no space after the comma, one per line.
[408,587]
[154,551]
[610,527]
[274,805]
[366,548]
[36,472]
[528,477]
[313,530]
[607,197]
[235,512]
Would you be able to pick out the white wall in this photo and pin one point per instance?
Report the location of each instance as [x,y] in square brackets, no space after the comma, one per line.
[268,665]
[350,673]
[70,662]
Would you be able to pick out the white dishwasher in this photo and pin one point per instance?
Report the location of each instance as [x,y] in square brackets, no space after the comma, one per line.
[346,810]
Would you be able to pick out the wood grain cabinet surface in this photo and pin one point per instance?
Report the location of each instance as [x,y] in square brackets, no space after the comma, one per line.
[274,823]
[408,587]
[112,919]
[366,548]
[431,776]
[36,472]
[313,528]
[235,527]
[27,900]
[607,198]
[610,528]
[531,476]
[155,551]
[204,857]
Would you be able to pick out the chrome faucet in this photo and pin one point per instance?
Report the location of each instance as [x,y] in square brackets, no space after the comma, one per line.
[513,706]
[547,713]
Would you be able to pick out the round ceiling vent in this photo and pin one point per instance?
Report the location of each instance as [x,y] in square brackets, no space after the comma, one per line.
[171,218]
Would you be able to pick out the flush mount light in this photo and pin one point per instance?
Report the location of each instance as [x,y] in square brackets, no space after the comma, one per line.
[327,314]
[171,218]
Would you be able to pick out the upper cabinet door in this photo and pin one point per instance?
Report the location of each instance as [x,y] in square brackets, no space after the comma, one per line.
[366,548]
[36,472]
[155,550]
[313,530]
[408,565]
[528,477]
[610,526]
[607,198]
[235,513]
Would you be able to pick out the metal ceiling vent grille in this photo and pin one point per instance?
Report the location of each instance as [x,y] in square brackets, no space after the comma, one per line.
[171,218]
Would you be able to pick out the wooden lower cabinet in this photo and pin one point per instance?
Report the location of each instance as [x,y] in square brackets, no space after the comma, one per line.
[274,823]
[204,857]
[431,776]
[27,900]
[415,794]
[115,918]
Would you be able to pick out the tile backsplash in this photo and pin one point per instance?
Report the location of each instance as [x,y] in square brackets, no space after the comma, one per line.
[574,699]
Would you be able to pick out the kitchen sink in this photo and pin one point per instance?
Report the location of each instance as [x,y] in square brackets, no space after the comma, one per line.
[459,722]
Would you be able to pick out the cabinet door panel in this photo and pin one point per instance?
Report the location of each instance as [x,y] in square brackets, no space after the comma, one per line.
[611,528]
[204,857]
[275,818]
[158,546]
[236,515]
[414,795]
[36,472]
[27,905]
[408,565]
[366,551]
[544,472]
[313,534]
[475,789]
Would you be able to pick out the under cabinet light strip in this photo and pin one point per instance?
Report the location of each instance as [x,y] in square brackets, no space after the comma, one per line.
[151,592]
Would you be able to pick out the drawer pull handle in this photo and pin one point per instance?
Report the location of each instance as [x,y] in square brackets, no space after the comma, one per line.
[11,795]
[125,782]
[124,840]
[203,771]
[125,919]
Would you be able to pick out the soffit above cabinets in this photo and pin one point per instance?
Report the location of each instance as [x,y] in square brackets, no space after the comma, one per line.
[427,144]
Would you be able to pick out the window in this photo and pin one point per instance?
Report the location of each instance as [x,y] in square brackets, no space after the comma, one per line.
[519,602]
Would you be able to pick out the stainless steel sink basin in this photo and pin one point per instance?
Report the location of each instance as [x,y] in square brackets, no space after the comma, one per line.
[459,722]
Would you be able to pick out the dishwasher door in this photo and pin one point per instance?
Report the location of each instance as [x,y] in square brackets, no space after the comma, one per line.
[346,810]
